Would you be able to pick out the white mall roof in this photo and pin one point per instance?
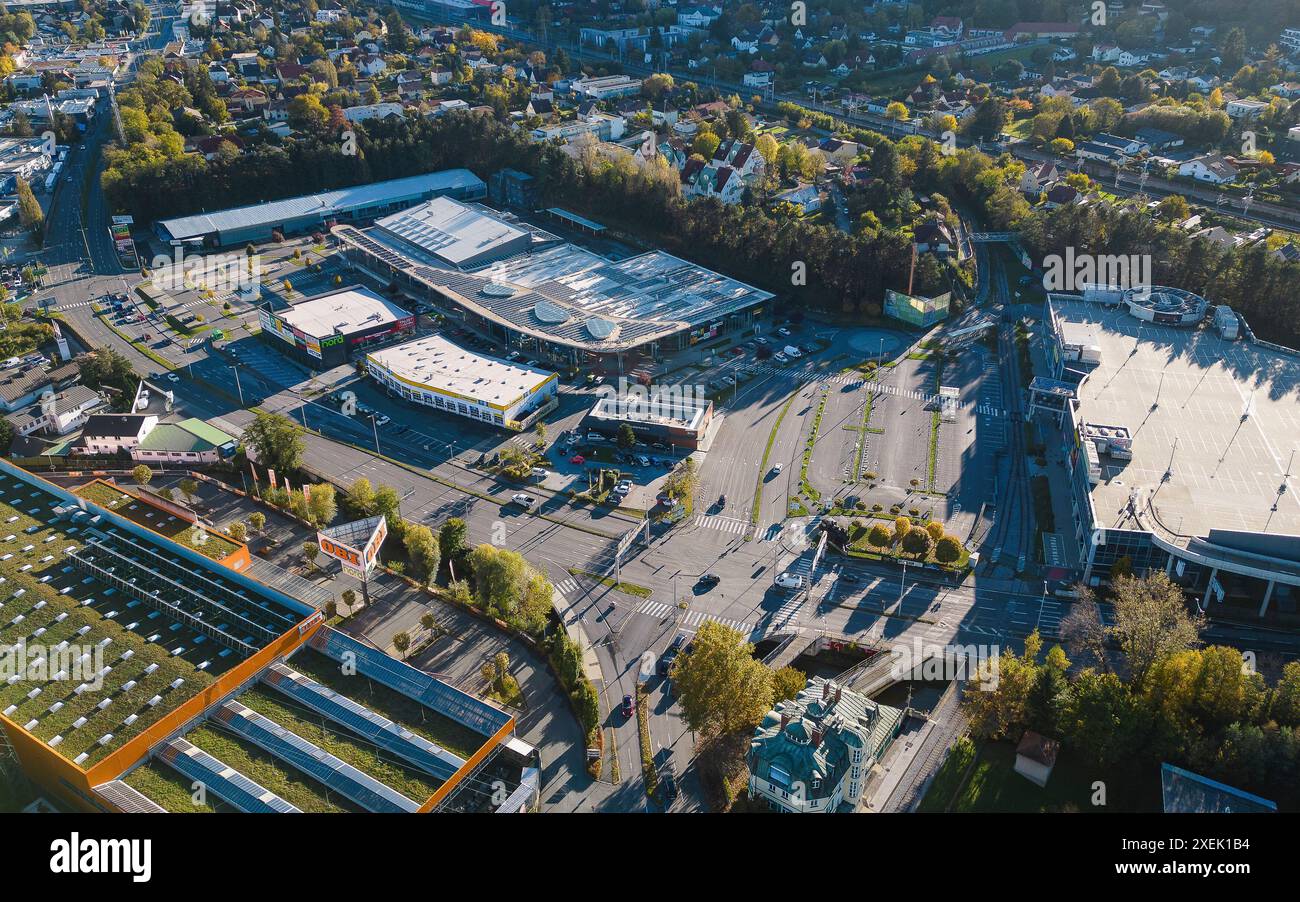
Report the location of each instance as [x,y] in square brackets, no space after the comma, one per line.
[441,365]
[350,310]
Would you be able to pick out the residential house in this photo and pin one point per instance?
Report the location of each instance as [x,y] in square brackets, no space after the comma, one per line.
[57,414]
[806,198]
[112,433]
[1244,108]
[190,441]
[1211,168]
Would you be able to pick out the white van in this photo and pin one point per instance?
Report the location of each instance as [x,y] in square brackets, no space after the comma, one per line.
[792,351]
[790,581]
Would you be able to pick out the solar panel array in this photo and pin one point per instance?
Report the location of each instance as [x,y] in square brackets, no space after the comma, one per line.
[128,798]
[312,760]
[224,781]
[367,724]
[431,692]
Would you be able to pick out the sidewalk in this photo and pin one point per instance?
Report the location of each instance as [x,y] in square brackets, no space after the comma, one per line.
[573,623]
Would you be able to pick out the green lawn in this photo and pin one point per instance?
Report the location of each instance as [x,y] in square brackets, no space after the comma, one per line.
[437,728]
[178,530]
[409,781]
[994,785]
[282,779]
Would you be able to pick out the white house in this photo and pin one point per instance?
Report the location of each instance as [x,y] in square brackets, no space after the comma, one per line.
[109,433]
[1244,108]
[1210,168]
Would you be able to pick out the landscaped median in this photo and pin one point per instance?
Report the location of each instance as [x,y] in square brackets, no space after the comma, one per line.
[767,450]
[648,772]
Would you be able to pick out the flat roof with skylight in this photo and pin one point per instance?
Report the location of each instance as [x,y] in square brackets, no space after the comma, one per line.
[531,282]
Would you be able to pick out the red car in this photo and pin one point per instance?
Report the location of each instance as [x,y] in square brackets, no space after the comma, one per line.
[627,706]
[577,459]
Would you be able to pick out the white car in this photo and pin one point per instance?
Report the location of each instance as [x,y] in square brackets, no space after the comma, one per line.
[780,357]
[777,468]
[523,500]
[382,420]
[539,473]
[790,581]
[623,487]
[783,331]
[172,377]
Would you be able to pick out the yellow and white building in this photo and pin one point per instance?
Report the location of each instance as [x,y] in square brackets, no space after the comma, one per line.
[439,373]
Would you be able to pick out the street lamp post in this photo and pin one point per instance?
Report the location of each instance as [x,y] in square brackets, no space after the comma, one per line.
[375,426]
[902,583]
[239,387]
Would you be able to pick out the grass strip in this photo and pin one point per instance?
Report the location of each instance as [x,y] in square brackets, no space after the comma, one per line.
[391,771]
[626,588]
[762,467]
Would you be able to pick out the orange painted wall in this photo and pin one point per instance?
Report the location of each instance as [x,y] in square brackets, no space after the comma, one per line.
[445,789]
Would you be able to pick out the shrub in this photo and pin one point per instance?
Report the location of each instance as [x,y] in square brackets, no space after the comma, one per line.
[879,535]
[947,550]
[917,542]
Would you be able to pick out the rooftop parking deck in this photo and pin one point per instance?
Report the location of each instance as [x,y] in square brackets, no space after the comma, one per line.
[1222,418]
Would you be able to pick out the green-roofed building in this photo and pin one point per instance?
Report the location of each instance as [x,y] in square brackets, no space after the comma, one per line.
[190,441]
[814,753]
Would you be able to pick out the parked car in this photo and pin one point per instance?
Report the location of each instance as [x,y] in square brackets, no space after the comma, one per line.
[523,500]
[172,377]
[783,331]
[642,460]
[577,459]
[539,472]
[780,357]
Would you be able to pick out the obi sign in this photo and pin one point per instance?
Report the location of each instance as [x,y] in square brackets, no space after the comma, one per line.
[355,545]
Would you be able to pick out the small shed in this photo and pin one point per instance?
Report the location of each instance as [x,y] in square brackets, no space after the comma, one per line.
[1036,756]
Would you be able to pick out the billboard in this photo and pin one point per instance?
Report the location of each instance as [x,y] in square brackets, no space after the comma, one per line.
[916,311]
[355,545]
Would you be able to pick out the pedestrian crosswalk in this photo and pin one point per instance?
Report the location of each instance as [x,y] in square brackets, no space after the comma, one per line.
[724,524]
[567,586]
[692,620]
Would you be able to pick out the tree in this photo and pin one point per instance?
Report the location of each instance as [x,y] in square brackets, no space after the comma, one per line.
[321,506]
[1173,208]
[947,550]
[276,441]
[722,688]
[311,551]
[896,110]
[238,531]
[935,529]
[422,550]
[29,211]
[539,430]
[879,535]
[1151,621]
[1083,630]
[361,498]
[166,493]
[141,474]
[902,526]
[189,488]
[787,683]
[453,538]
[402,642]
[349,598]
[626,437]
[917,542]
[388,504]
[1286,696]
[257,520]
[1233,53]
